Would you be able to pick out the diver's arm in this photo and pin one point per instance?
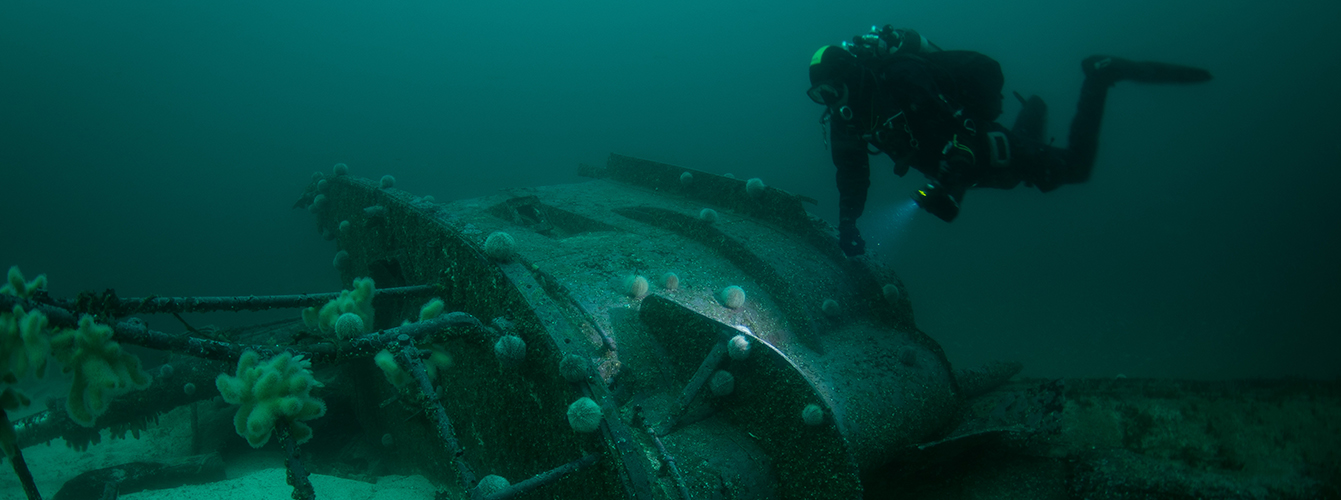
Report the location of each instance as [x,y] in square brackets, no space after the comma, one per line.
[853,167]
[853,170]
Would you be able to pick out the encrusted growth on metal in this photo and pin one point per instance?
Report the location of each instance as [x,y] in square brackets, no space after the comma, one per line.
[583,279]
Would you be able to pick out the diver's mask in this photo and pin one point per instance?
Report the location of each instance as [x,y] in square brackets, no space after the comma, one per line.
[829,94]
[833,96]
[939,201]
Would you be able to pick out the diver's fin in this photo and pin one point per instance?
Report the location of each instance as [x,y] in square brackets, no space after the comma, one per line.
[1032,122]
[1114,69]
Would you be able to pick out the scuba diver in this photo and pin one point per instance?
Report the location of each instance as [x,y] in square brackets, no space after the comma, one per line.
[935,110]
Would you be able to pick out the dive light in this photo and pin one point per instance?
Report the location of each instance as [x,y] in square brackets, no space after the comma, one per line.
[938,201]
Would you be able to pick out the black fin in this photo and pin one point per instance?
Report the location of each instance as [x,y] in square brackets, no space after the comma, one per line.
[1114,69]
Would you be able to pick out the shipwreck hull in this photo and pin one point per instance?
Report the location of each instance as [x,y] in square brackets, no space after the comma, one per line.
[882,384]
[840,396]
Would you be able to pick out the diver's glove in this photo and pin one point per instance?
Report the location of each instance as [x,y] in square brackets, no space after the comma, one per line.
[849,238]
[1114,69]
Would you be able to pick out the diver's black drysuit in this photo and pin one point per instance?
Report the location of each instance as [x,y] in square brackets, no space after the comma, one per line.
[935,111]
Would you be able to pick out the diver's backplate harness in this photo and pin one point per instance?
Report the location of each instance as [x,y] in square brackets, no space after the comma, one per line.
[892,123]
[870,51]
[893,133]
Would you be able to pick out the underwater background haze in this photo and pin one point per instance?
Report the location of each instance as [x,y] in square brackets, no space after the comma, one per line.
[157,147]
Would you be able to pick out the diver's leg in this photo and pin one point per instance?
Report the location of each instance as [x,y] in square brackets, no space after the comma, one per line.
[1031,160]
[1046,167]
[1074,164]
[854,179]
[1032,122]
[1032,157]
[1102,72]
[1083,142]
